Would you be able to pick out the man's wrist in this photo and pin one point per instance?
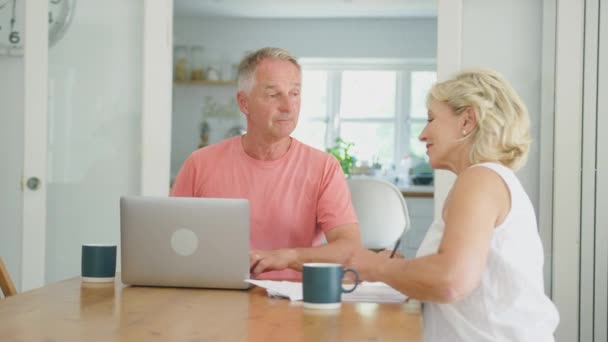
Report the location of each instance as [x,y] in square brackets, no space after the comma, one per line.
[293,258]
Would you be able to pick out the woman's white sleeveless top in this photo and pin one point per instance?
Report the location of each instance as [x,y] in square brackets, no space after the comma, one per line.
[510,303]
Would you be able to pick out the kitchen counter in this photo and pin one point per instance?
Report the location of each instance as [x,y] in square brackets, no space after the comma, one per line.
[425,191]
[418,191]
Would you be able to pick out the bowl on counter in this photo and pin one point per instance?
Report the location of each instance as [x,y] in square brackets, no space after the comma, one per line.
[423,179]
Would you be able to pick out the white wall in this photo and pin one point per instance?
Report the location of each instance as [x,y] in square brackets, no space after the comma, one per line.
[94,117]
[311,38]
[95,96]
[226,40]
[11,154]
[506,36]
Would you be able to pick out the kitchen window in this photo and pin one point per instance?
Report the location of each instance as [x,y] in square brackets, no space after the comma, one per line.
[380,106]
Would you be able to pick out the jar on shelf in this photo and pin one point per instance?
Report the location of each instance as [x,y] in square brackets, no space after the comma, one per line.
[228,71]
[181,61]
[213,73]
[197,72]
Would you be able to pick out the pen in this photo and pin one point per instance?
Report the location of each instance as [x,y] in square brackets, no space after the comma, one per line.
[395,248]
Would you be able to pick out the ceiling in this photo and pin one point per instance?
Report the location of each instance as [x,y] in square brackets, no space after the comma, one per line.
[307,8]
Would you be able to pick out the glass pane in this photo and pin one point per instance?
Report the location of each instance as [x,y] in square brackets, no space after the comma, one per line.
[421,83]
[314,94]
[368,94]
[311,133]
[95,96]
[417,147]
[373,141]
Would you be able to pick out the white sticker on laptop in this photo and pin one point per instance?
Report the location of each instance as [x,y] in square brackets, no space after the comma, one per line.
[184,242]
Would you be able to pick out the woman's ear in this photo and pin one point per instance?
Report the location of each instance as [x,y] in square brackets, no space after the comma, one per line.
[470,120]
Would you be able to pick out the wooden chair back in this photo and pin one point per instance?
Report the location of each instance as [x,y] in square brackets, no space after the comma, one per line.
[6,283]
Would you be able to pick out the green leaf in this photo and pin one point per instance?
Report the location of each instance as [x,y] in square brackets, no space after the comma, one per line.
[341,150]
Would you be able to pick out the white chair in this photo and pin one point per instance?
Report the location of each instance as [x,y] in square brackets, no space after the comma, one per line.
[381,210]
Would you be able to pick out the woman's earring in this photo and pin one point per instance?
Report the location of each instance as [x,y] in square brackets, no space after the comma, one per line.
[464,132]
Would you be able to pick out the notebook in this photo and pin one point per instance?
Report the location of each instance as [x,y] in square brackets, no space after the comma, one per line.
[184,242]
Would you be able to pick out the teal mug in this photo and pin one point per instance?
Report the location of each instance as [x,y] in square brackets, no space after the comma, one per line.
[322,285]
[98,263]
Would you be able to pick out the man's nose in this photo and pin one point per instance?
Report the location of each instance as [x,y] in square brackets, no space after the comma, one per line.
[286,104]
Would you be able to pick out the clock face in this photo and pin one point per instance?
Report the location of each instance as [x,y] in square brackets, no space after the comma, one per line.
[60,16]
[12,16]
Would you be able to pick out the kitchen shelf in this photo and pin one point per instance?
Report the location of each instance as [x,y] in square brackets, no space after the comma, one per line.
[207,82]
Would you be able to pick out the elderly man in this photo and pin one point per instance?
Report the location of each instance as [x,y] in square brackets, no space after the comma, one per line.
[296,193]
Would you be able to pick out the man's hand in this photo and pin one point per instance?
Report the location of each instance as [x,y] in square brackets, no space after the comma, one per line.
[275,260]
[341,241]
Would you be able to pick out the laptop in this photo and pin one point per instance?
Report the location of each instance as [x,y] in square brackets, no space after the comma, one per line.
[184,242]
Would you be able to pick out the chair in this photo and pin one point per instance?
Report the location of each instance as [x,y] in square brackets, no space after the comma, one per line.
[6,284]
[381,210]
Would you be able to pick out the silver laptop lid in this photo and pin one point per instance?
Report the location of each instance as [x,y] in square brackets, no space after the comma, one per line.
[184,242]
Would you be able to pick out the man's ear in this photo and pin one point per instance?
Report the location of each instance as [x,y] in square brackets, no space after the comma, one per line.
[241,99]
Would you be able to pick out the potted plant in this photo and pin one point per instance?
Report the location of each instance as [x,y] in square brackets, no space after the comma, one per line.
[341,150]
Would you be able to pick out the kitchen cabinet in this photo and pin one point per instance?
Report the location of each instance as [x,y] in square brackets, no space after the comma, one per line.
[421,217]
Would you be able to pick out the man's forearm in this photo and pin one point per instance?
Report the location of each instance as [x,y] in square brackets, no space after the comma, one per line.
[339,248]
[337,252]
[342,241]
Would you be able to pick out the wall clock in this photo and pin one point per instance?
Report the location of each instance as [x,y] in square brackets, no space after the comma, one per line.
[11,23]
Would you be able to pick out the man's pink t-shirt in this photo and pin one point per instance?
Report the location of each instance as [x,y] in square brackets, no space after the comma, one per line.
[293,200]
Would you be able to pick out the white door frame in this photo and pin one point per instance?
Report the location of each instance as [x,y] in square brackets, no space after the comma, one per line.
[569,61]
[593,306]
[588,180]
[155,122]
[157,97]
[35,61]
[601,199]
[449,61]
[547,107]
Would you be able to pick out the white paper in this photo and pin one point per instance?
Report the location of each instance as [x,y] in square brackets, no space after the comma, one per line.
[281,289]
[375,292]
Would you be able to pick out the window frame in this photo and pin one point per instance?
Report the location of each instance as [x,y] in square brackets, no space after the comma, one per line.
[402,120]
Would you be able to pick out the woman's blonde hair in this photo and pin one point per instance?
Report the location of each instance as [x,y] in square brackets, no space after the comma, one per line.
[246,69]
[503,124]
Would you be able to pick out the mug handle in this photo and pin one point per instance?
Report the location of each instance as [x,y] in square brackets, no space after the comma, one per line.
[356,280]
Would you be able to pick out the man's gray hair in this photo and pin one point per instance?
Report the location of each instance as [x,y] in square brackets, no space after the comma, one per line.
[252,59]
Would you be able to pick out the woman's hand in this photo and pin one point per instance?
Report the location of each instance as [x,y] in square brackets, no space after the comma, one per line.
[368,264]
[388,253]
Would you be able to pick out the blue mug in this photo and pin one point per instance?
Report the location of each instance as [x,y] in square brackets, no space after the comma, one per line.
[98,263]
[322,285]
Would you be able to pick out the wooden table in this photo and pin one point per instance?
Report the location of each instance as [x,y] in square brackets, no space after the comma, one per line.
[75,311]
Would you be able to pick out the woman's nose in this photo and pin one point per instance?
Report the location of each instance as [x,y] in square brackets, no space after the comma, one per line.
[422,136]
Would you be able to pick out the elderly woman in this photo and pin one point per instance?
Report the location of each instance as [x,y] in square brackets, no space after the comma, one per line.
[479,270]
